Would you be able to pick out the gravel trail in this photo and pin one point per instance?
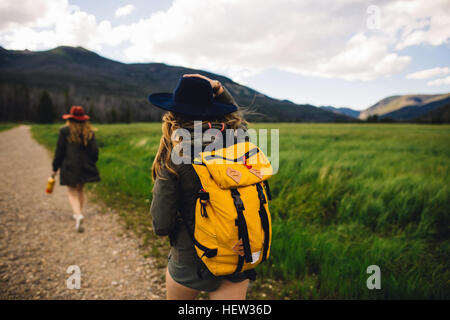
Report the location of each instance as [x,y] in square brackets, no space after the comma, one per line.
[38,241]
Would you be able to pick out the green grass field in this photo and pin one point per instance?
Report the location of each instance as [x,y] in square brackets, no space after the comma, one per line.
[346,196]
[6,126]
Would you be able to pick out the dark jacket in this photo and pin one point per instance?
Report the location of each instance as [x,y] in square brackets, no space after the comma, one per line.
[77,162]
[174,199]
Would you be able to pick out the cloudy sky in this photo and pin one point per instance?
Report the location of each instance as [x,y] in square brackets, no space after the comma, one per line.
[348,53]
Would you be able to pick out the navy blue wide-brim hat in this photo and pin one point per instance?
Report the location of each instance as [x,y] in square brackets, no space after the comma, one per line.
[192,96]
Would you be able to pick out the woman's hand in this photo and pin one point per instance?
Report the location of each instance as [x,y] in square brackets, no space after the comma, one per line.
[53,174]
[215,84]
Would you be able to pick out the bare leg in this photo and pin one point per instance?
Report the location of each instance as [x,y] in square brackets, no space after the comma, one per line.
[176,291]
[76,204]
[230,291]
[74,200]
[80,188]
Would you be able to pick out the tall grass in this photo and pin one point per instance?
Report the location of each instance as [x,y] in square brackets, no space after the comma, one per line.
[346,196]
[5,126]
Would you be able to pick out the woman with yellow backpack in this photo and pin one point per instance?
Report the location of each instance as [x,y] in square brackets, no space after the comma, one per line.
[214,207]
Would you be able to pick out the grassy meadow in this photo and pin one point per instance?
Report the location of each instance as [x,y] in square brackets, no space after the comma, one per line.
[6,126]
[346,196]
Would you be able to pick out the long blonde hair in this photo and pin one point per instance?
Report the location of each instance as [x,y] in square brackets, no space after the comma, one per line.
[80,132]
[172,122]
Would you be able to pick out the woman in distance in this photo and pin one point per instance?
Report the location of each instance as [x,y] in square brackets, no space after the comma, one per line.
[76,156]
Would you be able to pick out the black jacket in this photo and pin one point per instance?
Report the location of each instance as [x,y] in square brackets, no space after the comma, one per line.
[77,162]
[174,199]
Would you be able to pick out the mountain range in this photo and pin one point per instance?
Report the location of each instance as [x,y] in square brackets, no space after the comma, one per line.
[347,111]
[406,107]
[111,90]
[410,108]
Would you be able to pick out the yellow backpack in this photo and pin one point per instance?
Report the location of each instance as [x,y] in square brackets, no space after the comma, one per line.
[232,226]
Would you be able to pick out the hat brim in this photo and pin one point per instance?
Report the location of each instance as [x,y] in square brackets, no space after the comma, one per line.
[165,101]
[79,118]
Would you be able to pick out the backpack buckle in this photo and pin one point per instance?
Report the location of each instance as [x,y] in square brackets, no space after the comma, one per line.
[203,195]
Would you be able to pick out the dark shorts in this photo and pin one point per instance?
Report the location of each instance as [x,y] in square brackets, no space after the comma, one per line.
[195,275]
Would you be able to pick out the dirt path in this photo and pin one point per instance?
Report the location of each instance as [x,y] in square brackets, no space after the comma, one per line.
[38,241]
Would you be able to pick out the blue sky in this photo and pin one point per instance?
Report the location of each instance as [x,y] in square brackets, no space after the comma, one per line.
[323,52]
[105,9]
[355,94]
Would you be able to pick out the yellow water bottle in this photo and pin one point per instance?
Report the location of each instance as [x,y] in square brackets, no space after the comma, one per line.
[50,184]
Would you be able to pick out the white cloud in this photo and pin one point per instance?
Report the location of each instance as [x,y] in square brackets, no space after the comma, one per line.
[19,12]
[297,36]
[439,82]
[420,22]
[125,10]
[428,73]
[53,23]
[362,58]
[324,38]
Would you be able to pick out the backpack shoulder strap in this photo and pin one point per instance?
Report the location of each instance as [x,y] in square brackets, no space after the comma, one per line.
[264,219]
[242,224]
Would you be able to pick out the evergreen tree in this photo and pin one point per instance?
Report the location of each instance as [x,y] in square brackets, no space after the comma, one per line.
[91,112]
[373,118]
[113,117]
[22,103]
[127,115]
[45,111]
[3,113]
[68,98]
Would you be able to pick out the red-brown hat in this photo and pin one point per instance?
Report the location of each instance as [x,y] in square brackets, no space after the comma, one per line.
[76,113]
